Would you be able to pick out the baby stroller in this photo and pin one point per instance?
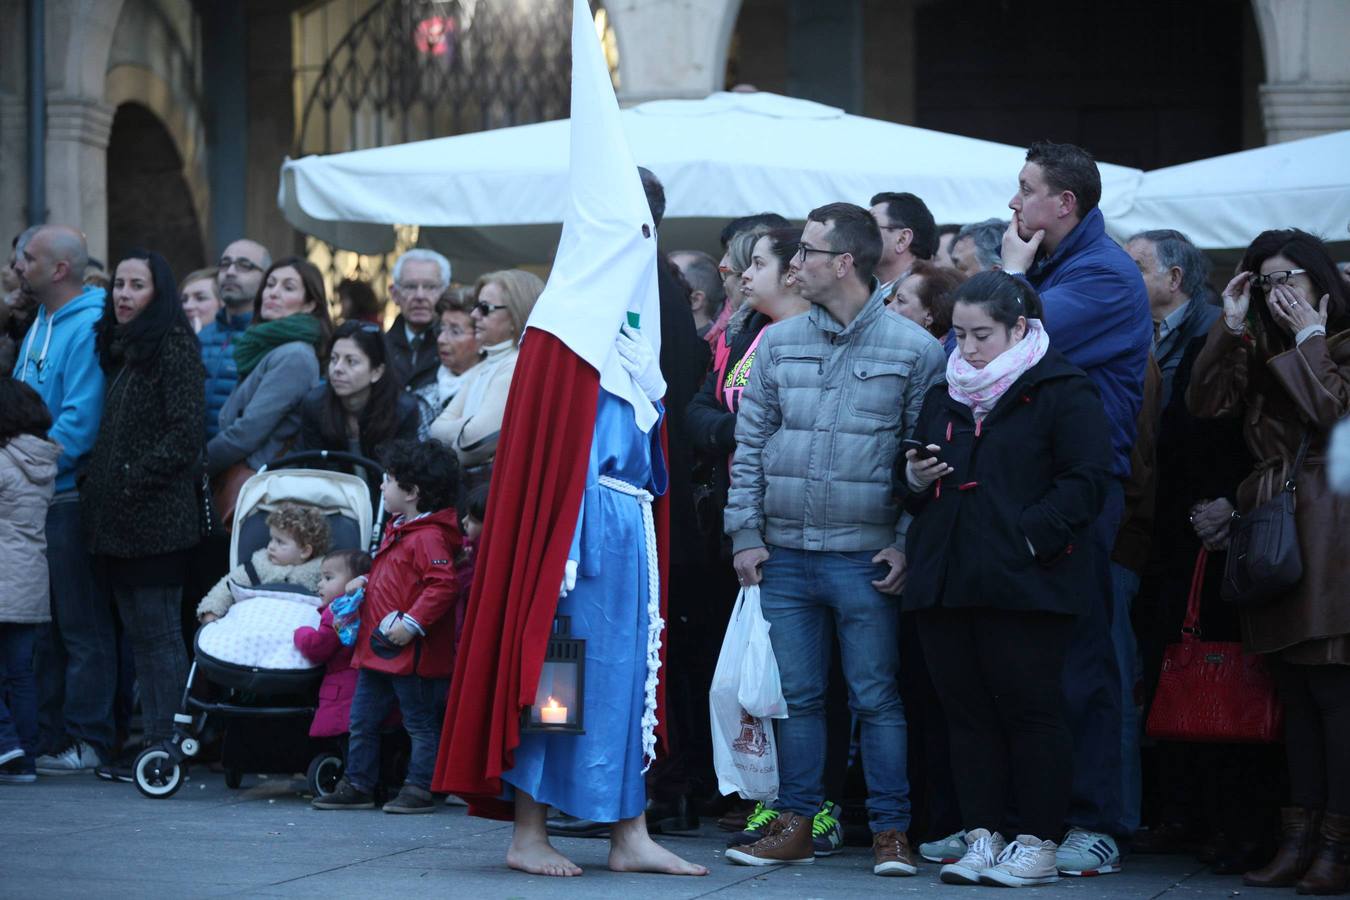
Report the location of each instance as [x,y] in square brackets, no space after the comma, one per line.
[282,698]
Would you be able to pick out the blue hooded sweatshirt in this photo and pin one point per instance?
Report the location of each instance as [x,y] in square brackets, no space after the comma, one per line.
[1097,315]
[58,360]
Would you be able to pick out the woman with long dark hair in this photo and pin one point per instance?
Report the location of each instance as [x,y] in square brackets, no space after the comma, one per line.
[138,499]
[278,362]
[1279,358]
[360,407]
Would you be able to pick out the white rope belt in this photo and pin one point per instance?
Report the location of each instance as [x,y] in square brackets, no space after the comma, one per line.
[654,621]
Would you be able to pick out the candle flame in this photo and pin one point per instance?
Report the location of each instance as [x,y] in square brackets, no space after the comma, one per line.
[552,704]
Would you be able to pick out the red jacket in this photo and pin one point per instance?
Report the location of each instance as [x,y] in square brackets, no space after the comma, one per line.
[321,645]
[414,573]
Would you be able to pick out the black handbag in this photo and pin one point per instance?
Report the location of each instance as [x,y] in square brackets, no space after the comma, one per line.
[1264,561]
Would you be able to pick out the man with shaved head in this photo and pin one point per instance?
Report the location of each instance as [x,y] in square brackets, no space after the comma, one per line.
[75,658]
[239,275]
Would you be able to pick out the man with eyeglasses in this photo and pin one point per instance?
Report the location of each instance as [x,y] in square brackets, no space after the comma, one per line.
[238,276]
[420,277]
[908,234]
[813,521]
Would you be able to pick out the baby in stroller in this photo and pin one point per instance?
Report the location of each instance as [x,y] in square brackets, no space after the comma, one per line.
[293,555]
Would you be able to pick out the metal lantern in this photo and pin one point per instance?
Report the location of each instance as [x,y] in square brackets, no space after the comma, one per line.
[558,702]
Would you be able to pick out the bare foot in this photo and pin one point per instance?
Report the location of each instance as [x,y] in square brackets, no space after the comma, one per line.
[539,858]
[639,853]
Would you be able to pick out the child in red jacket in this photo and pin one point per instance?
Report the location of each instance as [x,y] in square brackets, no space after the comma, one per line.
[405,647]
[322,645]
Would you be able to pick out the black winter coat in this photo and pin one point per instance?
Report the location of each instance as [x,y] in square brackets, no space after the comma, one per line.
[311,415]
[139,494]
[399,355]
[1035,470]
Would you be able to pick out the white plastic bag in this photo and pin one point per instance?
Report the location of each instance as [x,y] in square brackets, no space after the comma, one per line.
[761,691]
[745,755]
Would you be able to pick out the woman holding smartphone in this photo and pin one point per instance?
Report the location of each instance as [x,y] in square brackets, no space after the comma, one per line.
[996,569]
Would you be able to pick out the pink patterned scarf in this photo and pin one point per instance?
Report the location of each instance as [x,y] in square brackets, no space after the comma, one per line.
[980,389]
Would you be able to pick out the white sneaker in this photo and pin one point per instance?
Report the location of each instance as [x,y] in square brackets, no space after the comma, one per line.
[7,755]
[1025,862]
[77,757]
[982,852]
[1087,853]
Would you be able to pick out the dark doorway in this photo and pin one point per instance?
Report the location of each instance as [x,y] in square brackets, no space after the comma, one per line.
[149,205]
[1151,84]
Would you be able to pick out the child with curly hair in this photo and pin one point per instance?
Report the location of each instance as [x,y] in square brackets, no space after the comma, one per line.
[299,539]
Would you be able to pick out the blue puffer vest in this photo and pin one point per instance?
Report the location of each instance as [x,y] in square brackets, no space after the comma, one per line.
[217,340]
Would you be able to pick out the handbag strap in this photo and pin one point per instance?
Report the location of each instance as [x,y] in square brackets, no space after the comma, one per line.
[1190,628]
[1291,483]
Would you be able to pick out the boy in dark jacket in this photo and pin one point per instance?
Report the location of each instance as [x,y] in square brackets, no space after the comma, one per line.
[405,647]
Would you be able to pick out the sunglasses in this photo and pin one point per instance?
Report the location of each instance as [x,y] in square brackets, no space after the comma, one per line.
[1276,279]
[485,309]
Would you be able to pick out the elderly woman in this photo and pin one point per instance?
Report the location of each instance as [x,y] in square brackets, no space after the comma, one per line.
[457,348]
[1279,358]
[925,298]
[471,423]
[201,300]
[139,496]
[278,362]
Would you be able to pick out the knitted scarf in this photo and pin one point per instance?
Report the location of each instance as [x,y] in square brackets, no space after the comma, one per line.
[261,338]
[980,389]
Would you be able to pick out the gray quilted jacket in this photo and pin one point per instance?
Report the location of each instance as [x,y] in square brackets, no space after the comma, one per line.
[819,428]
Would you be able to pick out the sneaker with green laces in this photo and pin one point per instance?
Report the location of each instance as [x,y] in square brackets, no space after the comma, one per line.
[827,835]
[756,826]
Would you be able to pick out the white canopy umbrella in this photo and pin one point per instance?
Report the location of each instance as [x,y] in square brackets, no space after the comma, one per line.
[496,198]
[1226,201]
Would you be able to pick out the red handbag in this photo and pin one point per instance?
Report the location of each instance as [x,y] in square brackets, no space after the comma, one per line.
[1211,691]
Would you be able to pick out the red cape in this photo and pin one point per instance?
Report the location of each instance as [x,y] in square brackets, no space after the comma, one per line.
[537,482]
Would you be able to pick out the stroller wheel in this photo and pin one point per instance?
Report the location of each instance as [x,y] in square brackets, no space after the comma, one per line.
[233,778]
[157,775]
[325,770]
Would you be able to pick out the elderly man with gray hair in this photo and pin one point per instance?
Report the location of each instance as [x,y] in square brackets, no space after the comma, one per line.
[978,247]
[420,277]
[1176,274]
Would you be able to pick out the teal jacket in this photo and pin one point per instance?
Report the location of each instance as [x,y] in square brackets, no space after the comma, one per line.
[57,360]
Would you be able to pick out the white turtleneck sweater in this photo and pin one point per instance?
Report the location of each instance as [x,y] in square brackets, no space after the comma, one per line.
[470,424]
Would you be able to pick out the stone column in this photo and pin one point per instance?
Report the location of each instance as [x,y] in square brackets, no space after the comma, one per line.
[671,48]
[77,172]
[1307,87]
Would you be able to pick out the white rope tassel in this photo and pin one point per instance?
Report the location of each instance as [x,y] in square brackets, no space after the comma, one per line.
[655,623]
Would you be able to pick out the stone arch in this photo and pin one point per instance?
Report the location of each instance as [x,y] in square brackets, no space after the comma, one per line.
[140,85]
[149,205]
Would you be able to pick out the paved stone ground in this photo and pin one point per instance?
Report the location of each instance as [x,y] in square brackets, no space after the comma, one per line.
[79,837]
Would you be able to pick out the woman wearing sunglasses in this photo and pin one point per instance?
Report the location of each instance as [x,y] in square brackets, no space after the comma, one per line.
[472,422]
[1279,358]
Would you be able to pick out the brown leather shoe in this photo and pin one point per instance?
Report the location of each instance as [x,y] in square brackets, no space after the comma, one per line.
[891,854]
[1298,843]
[1330,869]
[787,842]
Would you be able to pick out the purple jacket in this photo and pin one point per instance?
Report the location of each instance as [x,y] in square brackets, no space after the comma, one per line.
[321,645]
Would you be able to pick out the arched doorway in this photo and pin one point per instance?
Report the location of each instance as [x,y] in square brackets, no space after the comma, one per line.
[149,204]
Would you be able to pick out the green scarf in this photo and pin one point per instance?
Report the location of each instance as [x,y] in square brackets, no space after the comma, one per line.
[262,338]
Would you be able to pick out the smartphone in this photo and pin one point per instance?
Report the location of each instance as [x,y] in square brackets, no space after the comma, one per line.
[920,449]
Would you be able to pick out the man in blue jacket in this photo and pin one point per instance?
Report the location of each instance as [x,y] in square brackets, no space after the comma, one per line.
[76,656]
[1097,315]
[238,276]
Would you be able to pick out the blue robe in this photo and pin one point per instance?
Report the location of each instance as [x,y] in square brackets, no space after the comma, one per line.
[598,775]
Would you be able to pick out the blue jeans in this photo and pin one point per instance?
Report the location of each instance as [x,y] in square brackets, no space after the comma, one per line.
[1092,687]
[1124,588]
[422,702]
[18,692]
[76,654]
[807,596]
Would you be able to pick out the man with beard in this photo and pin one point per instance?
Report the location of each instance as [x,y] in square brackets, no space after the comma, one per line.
[238,277]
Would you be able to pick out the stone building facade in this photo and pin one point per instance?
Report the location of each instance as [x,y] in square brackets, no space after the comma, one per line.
[167,120]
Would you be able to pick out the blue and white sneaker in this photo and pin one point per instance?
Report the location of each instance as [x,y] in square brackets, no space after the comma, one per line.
[827,835]
[948,850]
[1087,853]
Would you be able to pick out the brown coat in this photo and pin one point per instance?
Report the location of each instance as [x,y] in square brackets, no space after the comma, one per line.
[1306,387]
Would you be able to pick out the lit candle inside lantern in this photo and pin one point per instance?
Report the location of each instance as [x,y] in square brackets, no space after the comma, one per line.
[552,713]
